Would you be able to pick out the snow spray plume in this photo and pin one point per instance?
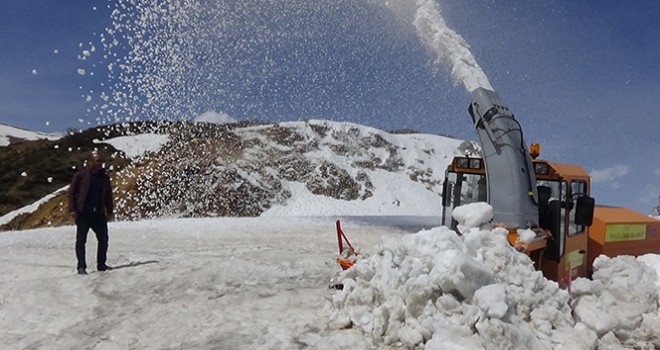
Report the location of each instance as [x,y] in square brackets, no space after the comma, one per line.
[175,59]
[154,74]
[450,48]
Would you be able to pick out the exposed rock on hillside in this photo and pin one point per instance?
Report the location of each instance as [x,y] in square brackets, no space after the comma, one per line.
[246,169]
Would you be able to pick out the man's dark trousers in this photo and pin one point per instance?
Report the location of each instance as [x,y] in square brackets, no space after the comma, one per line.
[99,224]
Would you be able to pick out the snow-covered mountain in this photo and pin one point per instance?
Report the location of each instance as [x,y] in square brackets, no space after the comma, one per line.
[271,169]
[310,168]
[10,134]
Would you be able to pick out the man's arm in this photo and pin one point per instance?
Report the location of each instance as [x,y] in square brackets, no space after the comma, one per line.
[73,193]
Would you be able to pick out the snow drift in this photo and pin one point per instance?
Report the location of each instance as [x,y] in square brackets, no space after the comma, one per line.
[476,292]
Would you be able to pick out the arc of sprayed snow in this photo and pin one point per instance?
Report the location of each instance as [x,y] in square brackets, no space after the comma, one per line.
[449,46]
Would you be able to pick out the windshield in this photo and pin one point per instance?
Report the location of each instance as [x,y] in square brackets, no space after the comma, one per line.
[461,189]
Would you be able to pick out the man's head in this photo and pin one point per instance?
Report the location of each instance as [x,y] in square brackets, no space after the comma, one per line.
[95,162]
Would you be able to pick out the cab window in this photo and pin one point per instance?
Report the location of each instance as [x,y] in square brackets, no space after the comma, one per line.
[551,196]
[460,189]
[578,189]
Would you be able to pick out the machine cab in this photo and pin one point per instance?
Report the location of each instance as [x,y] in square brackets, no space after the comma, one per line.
[564,206]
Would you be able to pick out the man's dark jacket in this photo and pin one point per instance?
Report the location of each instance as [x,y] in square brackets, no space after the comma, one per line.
[80,186]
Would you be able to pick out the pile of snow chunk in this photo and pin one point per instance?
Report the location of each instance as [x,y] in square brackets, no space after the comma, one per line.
[621,302]
[440,290]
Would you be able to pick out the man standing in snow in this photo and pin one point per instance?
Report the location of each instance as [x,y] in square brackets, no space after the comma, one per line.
[90,205]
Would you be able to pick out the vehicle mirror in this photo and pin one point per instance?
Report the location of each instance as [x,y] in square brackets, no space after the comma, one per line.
[584,211]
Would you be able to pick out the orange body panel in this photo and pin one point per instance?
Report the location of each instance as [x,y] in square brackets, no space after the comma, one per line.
[573,262]
[569,170]
[621,231]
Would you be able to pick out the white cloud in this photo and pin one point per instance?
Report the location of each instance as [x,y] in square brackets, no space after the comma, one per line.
[215,118]
[609,174]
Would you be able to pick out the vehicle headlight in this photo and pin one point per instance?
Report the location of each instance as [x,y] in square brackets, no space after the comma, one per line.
[541,168]
[462,162]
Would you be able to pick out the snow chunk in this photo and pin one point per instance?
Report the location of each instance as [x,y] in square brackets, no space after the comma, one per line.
[473,215]
[492,300]
[526,235]
[622,291]
[653,261]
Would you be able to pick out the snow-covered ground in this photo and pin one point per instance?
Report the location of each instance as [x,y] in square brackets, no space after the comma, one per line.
[187,284]
[262,283]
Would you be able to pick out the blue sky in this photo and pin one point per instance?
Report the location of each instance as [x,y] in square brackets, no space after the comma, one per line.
[582,77]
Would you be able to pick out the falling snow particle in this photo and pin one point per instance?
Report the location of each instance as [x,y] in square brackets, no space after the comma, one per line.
[81,71]
[24,174]
[34,71]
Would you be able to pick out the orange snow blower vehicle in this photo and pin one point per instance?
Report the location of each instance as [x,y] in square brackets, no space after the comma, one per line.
[551,198]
